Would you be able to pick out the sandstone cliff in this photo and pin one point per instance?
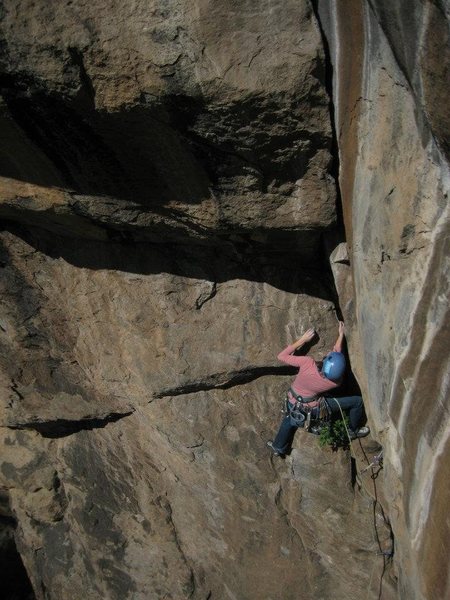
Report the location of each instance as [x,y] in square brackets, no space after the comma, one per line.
[169,205]
[392,65]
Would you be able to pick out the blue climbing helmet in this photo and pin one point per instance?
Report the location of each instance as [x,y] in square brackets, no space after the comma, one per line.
[333,366]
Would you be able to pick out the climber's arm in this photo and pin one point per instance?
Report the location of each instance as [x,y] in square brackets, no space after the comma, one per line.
[286,354]
[338,345]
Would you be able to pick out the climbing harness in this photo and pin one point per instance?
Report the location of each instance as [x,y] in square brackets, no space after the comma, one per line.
[310,412]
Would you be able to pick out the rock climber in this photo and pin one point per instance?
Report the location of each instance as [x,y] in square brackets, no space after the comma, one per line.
[313,380]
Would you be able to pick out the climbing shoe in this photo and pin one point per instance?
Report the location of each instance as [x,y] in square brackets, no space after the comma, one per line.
[274,450]
[359,433]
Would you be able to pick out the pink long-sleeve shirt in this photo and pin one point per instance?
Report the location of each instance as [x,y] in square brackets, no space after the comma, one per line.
[309,381]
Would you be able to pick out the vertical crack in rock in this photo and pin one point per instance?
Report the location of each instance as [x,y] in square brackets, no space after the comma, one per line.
[328,75]
[190,586]
[309,572]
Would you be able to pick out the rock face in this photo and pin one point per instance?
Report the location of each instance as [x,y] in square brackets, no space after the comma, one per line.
[394,131]
[168,209]
[137,404]
[170,119]
[166,189]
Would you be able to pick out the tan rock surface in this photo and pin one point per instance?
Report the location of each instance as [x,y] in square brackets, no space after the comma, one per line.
[394,184]
[186,119]
[138,406]
[167,195]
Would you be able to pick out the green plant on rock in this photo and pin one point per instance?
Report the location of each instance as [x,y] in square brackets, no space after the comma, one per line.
[334,434]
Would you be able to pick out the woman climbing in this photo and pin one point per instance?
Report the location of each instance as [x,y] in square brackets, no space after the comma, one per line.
[312,381]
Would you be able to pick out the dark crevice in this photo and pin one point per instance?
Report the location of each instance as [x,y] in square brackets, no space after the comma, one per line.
[87,89]
[15,583]
[331,239]
[64,427]
[353,472]
[328,82]
[224,381]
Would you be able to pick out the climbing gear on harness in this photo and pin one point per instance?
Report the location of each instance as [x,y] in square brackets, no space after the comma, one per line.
[306,412]
[333,366]
[317,428]
[297,414]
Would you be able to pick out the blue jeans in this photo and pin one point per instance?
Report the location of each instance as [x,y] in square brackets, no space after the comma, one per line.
[283,440]
[353,404]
